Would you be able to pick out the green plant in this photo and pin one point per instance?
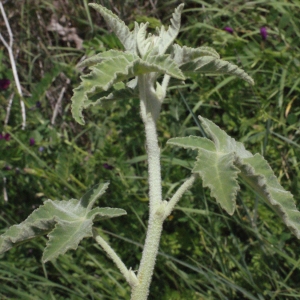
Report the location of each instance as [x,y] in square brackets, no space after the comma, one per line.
[137,72]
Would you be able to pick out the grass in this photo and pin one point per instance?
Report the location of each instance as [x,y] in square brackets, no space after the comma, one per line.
[204,253]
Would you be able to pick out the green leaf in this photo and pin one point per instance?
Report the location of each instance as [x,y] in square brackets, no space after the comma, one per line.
[118,27]
[113,70]
[164,64]
[210,65]
[222,140]
[259,175]
[216,168]
[166,38]
[219,163]
[67,221]
[183,55]
[100,57]
[219,174]
[78,101]
[193,142]
[143,43]
[106,99]
[109,72]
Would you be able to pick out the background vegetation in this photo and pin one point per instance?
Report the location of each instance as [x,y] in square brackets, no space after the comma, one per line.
[204,253]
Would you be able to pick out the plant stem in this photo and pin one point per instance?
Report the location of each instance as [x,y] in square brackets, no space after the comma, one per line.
[149,113]
[113,255]
[158,209]
[176,197]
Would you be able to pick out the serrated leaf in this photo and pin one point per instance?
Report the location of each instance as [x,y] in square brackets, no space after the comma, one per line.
[219,174]
[183,55]
[143,43]
[193,142]
[106,99]
[78,99]
[216,168]
[166,38]
[165,64]
[67,221]
[222,140]
[220,167]
[118,27]
[100,57]
[111,71]
[259,175]
[210,65]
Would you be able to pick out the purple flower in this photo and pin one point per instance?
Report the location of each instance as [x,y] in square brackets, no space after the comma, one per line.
[41,149]
[263,33]
[31,141]
[107,166]
[6,136]
[228,29]
[4,84]
[38,104]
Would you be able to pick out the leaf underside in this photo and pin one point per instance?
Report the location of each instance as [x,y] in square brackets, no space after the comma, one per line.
[65,222]
[222,160]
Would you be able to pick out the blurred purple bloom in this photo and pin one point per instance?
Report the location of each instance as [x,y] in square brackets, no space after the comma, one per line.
[228,29]
[6,136]
[31,141]
[4,84]
[263,33]
[38,104]
[7,168]
[107,166]
[41,149]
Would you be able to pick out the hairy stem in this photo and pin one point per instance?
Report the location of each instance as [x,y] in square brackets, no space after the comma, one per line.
[149,113]
[114,256]
[176,197]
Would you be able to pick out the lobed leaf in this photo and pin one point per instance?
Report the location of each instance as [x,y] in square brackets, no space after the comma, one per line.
[183,55]
[143,43]
[165,64]
[193,142]
[113,70]
[78,99]
[222,140]
[219,174]
[106,99]
[67,223]
[126,37]
[100,57]
[211,66]
[259,175]
[216,168]
[166,38]
[109,72]
[219,163]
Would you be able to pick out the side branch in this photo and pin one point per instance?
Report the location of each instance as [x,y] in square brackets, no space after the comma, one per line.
[177,196]
[128,274]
